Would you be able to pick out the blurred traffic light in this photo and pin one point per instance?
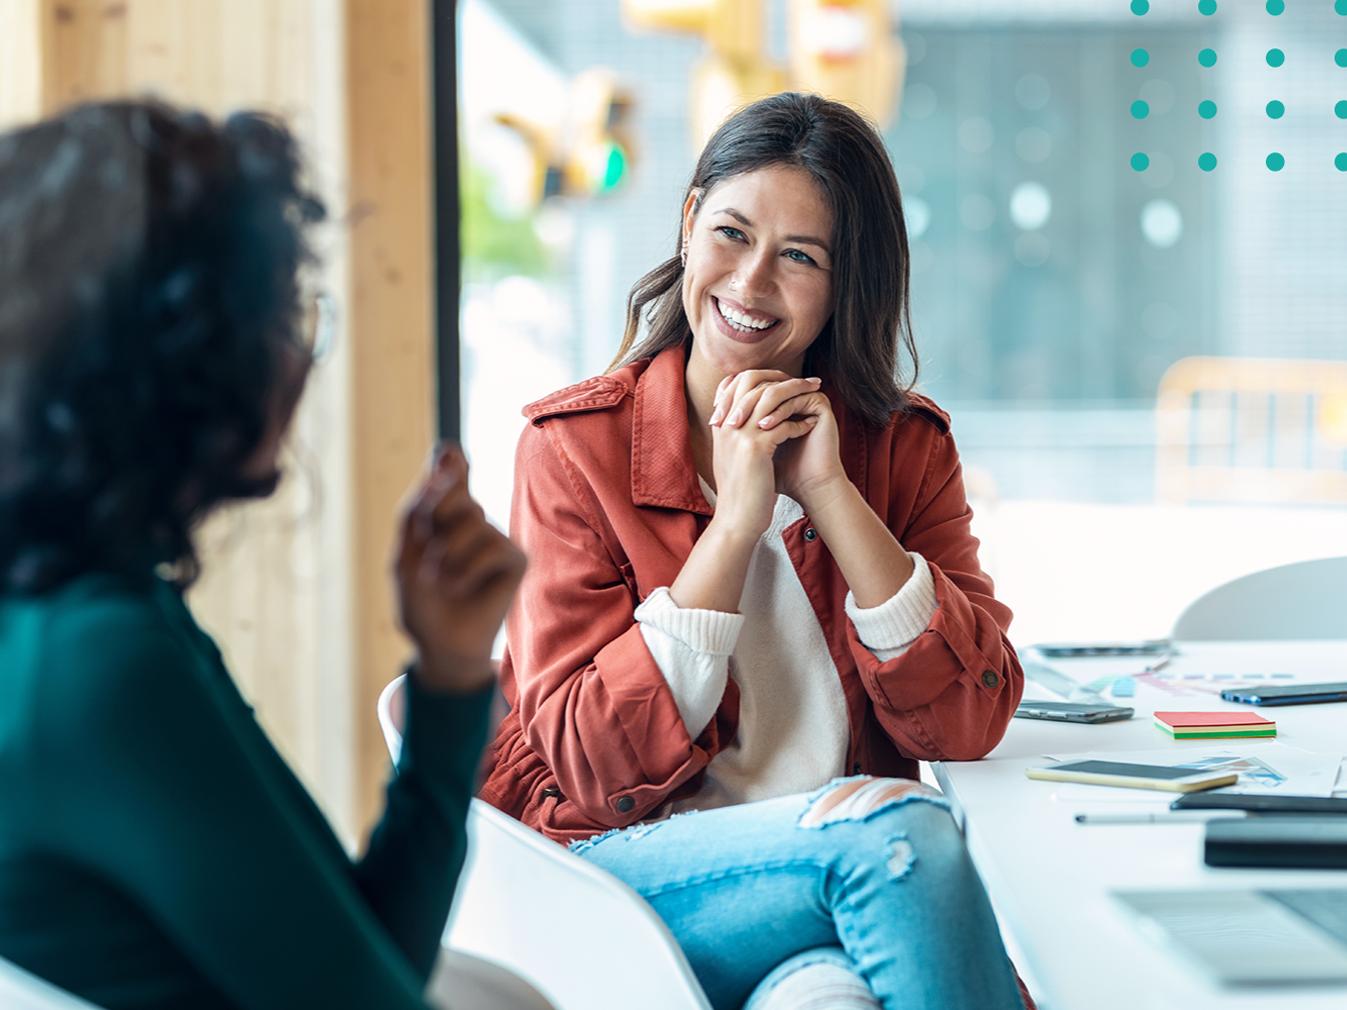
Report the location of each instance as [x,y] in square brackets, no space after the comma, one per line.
[844,49]
[591,151]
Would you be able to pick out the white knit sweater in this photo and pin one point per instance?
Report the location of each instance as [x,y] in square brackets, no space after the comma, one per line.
[793,728]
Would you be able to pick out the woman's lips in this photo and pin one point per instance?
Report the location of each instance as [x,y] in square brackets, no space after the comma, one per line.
[734,333]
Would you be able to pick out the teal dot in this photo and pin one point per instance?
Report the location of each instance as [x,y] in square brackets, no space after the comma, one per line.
[1206,161]
[1140,110]
[1340,110]
[1140,57]
[1207,109]
[1207,57]
[1275,57]
[1340,57]
[1341,161]
[1275,109]
[1208,7]
[1140,162]
[1275,7]
[1140,7]
[1276,162]
[1341,7]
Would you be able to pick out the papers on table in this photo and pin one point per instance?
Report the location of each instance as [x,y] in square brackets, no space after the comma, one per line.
[1268,767]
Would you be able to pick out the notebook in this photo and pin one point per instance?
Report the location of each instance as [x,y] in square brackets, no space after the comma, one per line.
[1211,725]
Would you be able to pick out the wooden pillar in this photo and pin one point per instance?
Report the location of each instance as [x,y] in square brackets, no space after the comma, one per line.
[392,301]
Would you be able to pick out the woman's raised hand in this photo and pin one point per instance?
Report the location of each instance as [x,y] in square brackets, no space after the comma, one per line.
[744,450]
[456,576]
[799,422]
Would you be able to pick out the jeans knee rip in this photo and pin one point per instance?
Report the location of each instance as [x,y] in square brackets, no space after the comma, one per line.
[901,857]
[839,814]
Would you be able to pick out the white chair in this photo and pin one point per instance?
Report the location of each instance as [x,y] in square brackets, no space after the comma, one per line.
[1304,600]
[583,938]
[20,990]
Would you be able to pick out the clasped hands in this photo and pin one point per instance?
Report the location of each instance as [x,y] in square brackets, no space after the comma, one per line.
[772,434]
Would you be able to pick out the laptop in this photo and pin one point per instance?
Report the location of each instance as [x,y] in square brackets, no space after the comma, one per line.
[1274,937]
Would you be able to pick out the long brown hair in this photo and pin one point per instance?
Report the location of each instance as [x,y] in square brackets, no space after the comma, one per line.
[858,346]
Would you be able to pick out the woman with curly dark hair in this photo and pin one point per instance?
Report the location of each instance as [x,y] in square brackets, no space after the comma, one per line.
[155,850]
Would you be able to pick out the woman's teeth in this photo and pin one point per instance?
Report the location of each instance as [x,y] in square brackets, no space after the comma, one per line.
[741,321]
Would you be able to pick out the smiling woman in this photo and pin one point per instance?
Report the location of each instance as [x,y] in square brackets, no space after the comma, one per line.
[752,575]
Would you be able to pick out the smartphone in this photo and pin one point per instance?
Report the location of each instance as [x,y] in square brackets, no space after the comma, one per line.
[1071,711]
[1261,803]
[1072,650]
[1132,776]
[1287,694]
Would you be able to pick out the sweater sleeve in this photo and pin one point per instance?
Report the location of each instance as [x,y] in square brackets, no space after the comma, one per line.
[888,629]
[171,793]
[692,649]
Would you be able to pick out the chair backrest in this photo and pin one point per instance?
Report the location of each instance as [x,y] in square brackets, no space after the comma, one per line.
[21,990]
[1304,600]
[1252,430]
[582,937]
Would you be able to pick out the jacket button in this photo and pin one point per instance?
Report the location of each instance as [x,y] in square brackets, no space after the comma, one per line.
[810,534]
[624,804]
[551,792]
[990,678]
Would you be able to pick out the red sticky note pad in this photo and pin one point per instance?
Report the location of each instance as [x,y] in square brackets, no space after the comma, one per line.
[1182,720]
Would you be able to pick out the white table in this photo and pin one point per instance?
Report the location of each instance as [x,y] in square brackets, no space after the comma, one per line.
[1050,878]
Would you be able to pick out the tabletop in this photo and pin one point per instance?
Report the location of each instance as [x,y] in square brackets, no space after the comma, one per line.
[1050,878]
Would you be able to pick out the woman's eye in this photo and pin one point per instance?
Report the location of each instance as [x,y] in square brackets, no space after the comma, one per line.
[799,257]
[733,233]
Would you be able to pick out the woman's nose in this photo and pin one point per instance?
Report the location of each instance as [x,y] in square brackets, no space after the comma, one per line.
[754,276]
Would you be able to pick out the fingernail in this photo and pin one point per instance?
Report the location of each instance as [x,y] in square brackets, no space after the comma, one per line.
[715,415]
[815,379]
[733,419]
[764,422]
[811,420]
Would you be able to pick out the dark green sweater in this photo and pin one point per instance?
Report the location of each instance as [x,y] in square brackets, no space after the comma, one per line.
[156,851]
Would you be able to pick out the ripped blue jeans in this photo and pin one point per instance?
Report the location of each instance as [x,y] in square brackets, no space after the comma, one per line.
[875,866]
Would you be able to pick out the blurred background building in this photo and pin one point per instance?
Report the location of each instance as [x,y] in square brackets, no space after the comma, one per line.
[1072,241]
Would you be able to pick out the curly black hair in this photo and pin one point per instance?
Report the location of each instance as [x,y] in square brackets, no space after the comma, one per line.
[149,297]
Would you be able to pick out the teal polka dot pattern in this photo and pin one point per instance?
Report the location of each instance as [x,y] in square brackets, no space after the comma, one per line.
[1140,110]
[1341,162]
[1340,7]
[1275,7]
[1206,161]
[1208,7]
[1140,57]
[1207,57]
[1140,7]
[1276,162]
[1207,109]
[1275,109]
[1340,110]
[1340,58]
[1275,57]
[1140,161]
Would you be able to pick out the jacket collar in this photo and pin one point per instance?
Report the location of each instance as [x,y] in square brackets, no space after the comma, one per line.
[662,471]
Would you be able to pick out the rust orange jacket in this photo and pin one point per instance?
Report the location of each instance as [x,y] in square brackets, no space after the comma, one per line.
[607,507]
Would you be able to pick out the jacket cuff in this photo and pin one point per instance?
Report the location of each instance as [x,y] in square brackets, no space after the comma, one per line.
[897,622]
[708,631]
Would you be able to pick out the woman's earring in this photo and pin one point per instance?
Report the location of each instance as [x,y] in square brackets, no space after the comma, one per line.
[683,255]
